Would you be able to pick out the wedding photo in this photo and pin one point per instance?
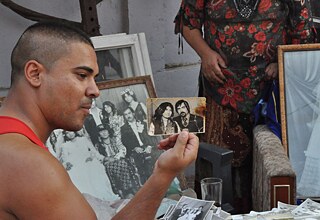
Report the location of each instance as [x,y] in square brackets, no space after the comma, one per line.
[112,156]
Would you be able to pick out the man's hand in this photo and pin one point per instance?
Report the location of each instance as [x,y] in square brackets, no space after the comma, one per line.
[138,150]
[182,149]
[211,64]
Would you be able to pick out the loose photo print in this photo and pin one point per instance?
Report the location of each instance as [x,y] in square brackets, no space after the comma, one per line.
[171,115]
[190,208]
[112,156]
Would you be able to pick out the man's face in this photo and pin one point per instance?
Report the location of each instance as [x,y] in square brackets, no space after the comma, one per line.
[182,110]
[67,89]
[128,115]
[104,133]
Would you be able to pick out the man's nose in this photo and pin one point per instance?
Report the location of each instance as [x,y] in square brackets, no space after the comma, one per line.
[93,90]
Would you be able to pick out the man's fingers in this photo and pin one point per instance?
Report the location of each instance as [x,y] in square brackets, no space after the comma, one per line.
[181,142]
[168,142]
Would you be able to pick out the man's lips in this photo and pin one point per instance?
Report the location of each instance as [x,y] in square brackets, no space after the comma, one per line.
[86,107]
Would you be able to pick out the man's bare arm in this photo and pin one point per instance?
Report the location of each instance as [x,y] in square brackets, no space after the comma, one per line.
[38,187]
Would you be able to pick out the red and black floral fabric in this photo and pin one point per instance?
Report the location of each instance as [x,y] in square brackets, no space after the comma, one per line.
[247,45]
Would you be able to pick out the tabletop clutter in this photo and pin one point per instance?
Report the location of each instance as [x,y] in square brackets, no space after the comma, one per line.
[188,208]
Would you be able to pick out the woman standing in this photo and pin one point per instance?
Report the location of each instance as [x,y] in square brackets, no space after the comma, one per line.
[237,42]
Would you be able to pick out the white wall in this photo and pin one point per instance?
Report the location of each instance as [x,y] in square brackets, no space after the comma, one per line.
[172,72]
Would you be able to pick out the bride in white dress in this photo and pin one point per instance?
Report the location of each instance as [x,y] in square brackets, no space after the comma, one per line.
[83,163]
[309,184]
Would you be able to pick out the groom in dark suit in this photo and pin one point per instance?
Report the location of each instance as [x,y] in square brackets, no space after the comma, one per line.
[139,144]
[185,120]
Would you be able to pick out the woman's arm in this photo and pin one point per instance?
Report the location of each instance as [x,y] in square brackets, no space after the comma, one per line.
[211,61]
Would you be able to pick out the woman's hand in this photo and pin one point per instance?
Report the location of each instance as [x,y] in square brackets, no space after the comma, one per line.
[211,64]
[272,71]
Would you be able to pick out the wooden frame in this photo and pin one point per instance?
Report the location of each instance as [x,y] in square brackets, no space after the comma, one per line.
[299,76]
[122,56]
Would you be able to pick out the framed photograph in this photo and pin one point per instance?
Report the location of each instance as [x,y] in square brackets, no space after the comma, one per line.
[299,79]
[113,155]
[122,56]
[172,115]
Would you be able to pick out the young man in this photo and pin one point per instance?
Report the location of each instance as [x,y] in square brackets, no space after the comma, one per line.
[53,72]
[185,120]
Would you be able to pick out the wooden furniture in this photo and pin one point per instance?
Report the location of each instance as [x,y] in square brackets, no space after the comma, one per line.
[273,177]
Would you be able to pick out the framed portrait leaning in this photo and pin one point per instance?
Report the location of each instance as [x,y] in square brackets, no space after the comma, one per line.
[299,81]
[122,56]
[112,155]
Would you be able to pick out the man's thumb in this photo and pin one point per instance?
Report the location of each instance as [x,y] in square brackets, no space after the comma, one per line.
[181,142]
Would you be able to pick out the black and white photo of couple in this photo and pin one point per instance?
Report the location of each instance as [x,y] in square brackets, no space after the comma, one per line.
[172,115]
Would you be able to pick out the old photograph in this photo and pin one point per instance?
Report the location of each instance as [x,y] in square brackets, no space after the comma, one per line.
[113,155]
[172,115]
[190,209]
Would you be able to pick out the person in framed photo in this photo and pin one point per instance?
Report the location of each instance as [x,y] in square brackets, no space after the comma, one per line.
[110,113]
[139,108]
[122,174]
[186,120]
[139,144]
[55,65]
[82,161]
[162,122]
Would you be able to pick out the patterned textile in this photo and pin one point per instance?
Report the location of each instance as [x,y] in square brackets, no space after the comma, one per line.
[269,160]
[123,177]
[246,45]
[228,129]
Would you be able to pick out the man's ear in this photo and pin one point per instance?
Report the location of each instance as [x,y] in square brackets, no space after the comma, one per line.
[32,70]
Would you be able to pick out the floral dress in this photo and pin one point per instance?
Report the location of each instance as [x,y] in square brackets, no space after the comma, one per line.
[247,45]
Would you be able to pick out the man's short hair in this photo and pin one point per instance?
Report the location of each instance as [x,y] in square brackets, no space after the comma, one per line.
[180,102]
[129,108]
[44,42]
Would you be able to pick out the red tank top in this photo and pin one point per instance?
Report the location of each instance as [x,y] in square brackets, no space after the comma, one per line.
[13,125]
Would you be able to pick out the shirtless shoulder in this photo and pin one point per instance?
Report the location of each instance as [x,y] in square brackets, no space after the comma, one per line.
[33,177]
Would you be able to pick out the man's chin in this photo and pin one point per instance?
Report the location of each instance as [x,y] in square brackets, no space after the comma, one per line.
[73,127]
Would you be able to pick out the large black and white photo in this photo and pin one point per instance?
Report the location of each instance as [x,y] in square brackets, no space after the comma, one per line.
[113,155]
[299,81]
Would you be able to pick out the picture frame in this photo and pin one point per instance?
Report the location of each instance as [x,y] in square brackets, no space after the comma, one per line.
[299,76]
[112,156]
[122,55]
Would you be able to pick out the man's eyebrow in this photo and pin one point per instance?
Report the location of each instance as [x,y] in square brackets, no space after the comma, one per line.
[86,68]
